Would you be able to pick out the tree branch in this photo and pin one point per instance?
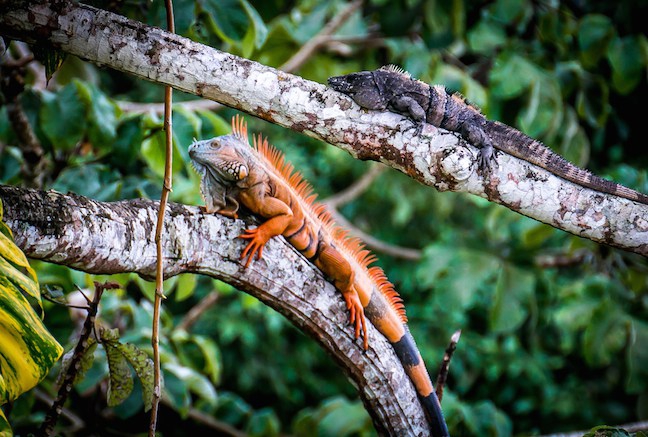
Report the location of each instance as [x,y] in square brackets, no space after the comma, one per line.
[356,189]
[107,238]
[436,157]
[292,64]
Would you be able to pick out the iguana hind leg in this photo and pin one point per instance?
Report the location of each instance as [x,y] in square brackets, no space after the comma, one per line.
[340,273]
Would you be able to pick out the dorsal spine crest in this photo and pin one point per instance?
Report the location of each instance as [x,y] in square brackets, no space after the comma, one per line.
[353,246]
[396,69]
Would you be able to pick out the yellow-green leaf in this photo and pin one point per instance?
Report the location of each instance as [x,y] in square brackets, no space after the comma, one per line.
[27,349]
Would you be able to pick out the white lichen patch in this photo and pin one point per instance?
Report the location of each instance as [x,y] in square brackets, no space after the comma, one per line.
[266,87]
[457,163]
[336,113]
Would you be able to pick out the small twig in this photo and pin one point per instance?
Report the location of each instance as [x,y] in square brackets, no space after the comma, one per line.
[562,259]
[445,364]
[194,313]
[75,362]
[83,294]
[159,272]
[12,84]
[307,50]
[157,108]
[355,189]
[352,192]
[217,425]
[76,423]
[36,68]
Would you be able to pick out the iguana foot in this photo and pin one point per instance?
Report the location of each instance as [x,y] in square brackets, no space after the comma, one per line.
[357,317]
[255,246]
[417,126]
[486,158]
[207,210]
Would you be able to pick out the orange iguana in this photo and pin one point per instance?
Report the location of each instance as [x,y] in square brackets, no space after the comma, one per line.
[233,174]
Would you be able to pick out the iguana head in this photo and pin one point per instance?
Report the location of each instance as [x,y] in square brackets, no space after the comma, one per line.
[218,160]
[365,88]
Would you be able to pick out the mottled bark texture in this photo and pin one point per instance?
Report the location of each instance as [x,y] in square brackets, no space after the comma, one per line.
[117,237]
[435,158]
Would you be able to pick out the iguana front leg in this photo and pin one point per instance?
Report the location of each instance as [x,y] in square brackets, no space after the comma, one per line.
[408,105]
[279,215]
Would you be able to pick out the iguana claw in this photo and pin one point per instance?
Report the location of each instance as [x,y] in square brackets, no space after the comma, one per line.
[357,317]
[255,246]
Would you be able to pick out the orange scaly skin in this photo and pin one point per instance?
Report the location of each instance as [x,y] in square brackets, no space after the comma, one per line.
[258,178]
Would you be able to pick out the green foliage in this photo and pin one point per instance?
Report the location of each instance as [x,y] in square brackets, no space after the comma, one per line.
[555,328]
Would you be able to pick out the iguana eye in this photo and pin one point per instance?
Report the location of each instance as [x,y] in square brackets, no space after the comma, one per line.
[213,144]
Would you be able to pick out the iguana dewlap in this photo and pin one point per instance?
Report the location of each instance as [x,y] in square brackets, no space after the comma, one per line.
[234,174]
[391,88]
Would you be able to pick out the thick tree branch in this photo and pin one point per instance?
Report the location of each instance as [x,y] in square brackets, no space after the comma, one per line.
[436,157]
[292,64]
[106,238]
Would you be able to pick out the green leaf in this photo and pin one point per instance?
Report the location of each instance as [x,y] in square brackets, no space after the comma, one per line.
[185,286]
[605,335]
[513,291]
[232,409]
[211,356]
[486,37]
[143,366]
[213,125]
[120,383]
[592,102]
[637,353]
[194,381]
[226,18]
[339,417]
[154,152]
[264,423]
[628,62]
[511,75]
[594,33]
[63,117]
[509,11]
[575,145]
[544,109]
[536,235]
[186,127]
[93,180]
[256,33]
[102,114]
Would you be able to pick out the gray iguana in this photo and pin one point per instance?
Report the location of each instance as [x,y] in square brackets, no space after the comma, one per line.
[391,88]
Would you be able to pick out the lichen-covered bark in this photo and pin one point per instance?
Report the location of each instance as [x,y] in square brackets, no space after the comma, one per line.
[117,237]
[435,158]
